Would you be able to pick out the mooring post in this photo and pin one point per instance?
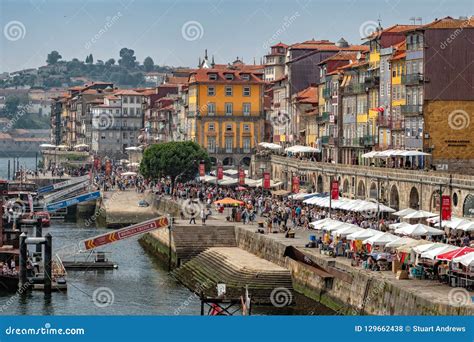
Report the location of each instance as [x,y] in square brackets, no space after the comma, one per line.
[48,274]
[23,260]
[39,232]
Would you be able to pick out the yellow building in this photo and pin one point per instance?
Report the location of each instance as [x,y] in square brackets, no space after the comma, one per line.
[225,104]
[397,67]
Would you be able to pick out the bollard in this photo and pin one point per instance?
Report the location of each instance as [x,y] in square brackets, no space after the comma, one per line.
[48,274]
[23,260]
[39,232]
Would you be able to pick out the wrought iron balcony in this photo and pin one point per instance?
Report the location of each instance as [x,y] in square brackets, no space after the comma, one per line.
[367,140]
[325,139]
[354,88]
[411,109]
[412,79]
[327,93]
[324,117]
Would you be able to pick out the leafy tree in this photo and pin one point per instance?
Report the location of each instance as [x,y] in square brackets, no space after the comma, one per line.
[178,160]
[148,64]
[127,58]
[15,105]
[110,62]
[53,57]
[90,59]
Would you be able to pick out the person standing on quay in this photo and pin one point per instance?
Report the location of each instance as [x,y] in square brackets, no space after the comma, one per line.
[203,217]
[193,217]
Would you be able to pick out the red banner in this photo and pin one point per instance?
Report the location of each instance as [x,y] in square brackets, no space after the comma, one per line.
[335,190]
[96,163]
[220,172]
[108,168]
[126,232]
[266,180]
[241,177]
[295,186]
[202,170]
[446,207]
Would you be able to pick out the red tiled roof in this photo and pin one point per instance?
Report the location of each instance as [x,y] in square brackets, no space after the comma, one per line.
[308,95]
[126,92]
[177,80]
[449,23]
[280,44]
[392,29]
[202,75]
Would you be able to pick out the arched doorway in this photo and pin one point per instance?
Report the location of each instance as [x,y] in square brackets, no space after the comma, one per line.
[414,199]
[245,161]
[213,160]
[394,199]
[434,202]
[468,207]
[345,187]
[373,191]
[361,189]
[228,161]
[319,186]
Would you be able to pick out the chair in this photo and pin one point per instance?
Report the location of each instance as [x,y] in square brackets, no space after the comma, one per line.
[416,272]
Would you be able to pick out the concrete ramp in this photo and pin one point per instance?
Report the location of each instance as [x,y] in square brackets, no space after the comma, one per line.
[267,282]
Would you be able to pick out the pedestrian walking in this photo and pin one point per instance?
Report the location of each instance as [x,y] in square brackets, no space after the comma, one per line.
[193,217]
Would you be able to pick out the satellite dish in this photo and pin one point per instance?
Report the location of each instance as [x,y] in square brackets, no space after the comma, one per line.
[359,55]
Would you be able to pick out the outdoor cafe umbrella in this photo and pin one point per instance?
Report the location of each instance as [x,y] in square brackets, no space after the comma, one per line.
[419,214]
[227,201]
[466,260]
[455,253]
[418,230]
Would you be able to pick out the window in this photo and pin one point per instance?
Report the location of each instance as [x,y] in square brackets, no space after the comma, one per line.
[246,91]
[132,111]
[124,123]
[211,127]
[211,108]
[228,128]
[228,91]
[125,111]
[124,135]
[211,144]
[228,108]
[246,77]
[132,99]
[211,91]
[228,144]
[246,108]
[125,99]
[229,77]
[138,111]
[246,128]
[102,136]
[117,111]
[212,77]
[246,144]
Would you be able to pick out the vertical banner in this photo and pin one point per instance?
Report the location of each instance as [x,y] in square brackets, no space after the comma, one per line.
[108,168]
[202,170]
[266,180]
[335,190]
[446,207]
[96,163]
[220,172]
[241,177]
[295,186]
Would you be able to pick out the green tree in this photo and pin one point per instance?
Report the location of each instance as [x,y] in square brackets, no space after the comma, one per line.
[53,57]
[127,58]
[148,64]
[178,160]
[90,59]
[110,62]
[15,105]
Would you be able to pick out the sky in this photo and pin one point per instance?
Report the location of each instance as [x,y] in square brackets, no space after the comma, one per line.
[176,32]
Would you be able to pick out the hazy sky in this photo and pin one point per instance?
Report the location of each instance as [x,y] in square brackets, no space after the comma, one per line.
[175,32]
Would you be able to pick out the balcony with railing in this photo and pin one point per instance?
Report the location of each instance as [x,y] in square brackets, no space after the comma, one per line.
[367,140]
[411,109]
[383,121]
[413,143]
[325,139]
[354,89]
[350,142]
[324,117]
[398,125]
[412,79]
[327,93]
[372,81]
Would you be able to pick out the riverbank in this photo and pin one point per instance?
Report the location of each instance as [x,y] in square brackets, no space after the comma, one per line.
[331,281]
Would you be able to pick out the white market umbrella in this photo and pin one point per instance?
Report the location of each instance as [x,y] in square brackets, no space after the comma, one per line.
[47,146]
[466,259]
[404,212]
[335,226]
[394,226]
[380,239]
[349,229]
[61,147]
[129,173]
[81,146]
[319,224]
[433,253]
[419,214]
[467,227]
[363,234]
[403,241]
[426,247]
[270,146]
[418,230]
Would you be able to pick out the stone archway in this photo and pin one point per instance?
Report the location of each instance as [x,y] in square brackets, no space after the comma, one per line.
[414,199]
[468,206]
[373,192]
[320,184]
[434,201]
[213,160]
[345,187]
[228,161]
[245,161]
[361,193]
[394,198]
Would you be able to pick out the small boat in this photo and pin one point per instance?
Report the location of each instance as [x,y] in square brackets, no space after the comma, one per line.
[90,261]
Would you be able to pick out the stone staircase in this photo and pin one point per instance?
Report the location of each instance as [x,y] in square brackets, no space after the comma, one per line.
[190,240]
[237,268]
